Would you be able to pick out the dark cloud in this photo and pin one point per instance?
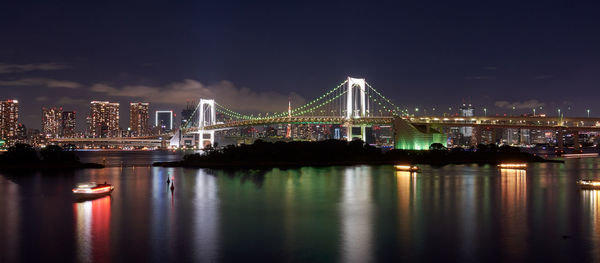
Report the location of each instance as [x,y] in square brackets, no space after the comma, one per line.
[40,82]
[528,104]
[224,92]
[19,68]
[71,101]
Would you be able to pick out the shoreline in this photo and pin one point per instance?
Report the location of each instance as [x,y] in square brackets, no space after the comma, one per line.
[335,152]
[267,164]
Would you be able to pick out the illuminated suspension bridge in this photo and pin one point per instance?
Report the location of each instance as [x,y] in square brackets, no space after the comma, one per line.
[355,103]
[352,103]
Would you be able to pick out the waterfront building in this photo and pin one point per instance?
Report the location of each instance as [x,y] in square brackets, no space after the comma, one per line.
[104,119]
[21,136]
[138,118]
[9,119]
[68,124]
[51,122]
[35,137]
[466,111]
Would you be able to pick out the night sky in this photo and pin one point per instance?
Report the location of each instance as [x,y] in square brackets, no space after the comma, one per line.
[253,55]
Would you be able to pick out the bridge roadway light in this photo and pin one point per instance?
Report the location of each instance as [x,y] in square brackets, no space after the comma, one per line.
[588,112]
[485,112]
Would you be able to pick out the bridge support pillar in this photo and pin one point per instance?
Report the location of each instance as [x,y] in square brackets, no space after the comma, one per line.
[350,135]
[348,131]
[363,132]
[206,138]
[560,141]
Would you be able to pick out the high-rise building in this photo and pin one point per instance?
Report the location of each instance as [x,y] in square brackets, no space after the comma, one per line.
[68,124]
[21,133]
[51,122]
[164,120]
[467,111]
[9,119]
[186,115]
[104,119]
[138,118]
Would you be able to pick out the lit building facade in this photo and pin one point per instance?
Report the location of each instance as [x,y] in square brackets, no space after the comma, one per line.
[467,111]
[68,124]
[138,118]
[9,119]
[104,119]
[51,122]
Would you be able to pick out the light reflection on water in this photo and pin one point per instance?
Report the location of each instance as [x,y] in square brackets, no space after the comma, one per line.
[514,211]
[356,212]
[92,229]
[206,226]
[326,214]
[591,204]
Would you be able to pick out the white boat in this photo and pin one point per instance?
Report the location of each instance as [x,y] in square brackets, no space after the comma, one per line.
[406,167]
[588,184]
[91,190]
[579,155]
[521,166]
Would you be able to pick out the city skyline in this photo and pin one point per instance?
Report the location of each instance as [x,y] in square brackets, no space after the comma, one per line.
[492,55]
[507,109]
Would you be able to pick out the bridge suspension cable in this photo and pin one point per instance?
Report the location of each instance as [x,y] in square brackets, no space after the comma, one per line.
[395,109]
[330,103]
[190,120]
[316,103]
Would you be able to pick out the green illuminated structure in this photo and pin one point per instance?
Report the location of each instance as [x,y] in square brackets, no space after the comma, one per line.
[414,137]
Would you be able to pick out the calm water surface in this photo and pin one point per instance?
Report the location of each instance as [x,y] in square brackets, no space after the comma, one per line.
[327,214]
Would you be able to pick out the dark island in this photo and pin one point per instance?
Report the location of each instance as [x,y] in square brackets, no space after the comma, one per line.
[24,156]
[336,152]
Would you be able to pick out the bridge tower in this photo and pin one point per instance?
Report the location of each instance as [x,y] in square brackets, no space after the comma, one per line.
[356,105]
[356,108]
[207,116]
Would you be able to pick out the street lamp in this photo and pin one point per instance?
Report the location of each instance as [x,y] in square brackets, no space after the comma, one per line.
[513,111]
[559,113]
[533,112]
[485,112]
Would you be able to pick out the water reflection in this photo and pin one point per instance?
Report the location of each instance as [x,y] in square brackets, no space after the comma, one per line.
[456,213]
[206,226]
[356,215]
[9,221]
[591,202]
[514,210]
[93,229]
[406,183]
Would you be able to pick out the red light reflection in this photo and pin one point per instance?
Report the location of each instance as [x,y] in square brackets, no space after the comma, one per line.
[93,229]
